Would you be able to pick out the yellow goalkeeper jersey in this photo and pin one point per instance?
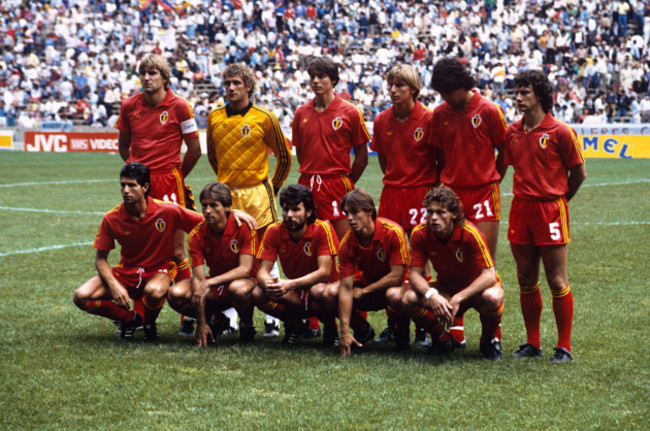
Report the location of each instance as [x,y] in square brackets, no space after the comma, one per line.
[238,146]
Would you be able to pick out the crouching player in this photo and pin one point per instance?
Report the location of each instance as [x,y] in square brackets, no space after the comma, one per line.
[372,265]
[145,229]
[466,277]
[228,250]
[307,249]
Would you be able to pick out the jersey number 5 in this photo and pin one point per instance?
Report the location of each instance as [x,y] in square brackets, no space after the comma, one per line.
[554,228]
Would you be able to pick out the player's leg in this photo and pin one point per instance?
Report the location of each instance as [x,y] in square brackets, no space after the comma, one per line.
[94,297]
[278,309]
[396,312]
[416,307]
[490,308]
[527,259]
[241,292]
[155,292]
[324,313]
[555,265]
[179,297]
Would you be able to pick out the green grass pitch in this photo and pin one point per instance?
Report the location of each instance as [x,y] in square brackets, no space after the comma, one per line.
[64,369]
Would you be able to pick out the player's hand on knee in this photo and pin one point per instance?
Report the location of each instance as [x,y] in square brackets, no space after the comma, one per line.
[120,296]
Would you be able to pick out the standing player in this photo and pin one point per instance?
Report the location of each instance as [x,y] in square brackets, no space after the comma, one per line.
[401,137]
[307,250]
[324,130]
[549,169]
[145,229]
[239,137]
[468,130]
[465,275]
[228,250]
[152,127]
[372,263]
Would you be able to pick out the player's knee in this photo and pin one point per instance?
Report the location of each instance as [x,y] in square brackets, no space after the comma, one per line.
[241,289]
[409,300]
[557,283]
[156,291]
[258,295]
[394,298]
[492,297]
[79,299]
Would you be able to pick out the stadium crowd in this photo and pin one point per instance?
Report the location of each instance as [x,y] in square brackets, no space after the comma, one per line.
[76,59]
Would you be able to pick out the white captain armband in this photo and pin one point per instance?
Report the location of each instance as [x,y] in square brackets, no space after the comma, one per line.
[430,292]
[188,126]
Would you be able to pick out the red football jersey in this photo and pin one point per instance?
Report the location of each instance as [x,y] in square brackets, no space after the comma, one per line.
[221,254]
[326,138]
[410,159]
[388,247]
[458,262]
[541,158]
[469,139]
[147,242]
[300,258]
[157,133]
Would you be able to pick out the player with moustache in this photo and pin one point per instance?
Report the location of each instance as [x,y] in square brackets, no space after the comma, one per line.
[146,230]
[152,128]
[373,260]
[469,129]
[549,169]
[465,275]
[306,248]
[228,249]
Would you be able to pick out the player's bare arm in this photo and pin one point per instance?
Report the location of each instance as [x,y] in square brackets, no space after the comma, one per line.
[200,289]
[501,165]
[321,275]
[124,145]
[432,298]
[360,162]
[266,282]
[192,155]
[118,292]
[392,279]
[345,311]
[577,175]
[382,162]
[242,217]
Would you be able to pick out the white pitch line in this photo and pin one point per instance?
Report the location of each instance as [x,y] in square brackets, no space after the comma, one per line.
[34,210]
[56,182]
[37,250]
[620,183]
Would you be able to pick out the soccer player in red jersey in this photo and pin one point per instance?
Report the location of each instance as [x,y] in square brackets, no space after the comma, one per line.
[401,137]
[372,264]
[306,248]
[228,250]
[465,275]
[145,229]
[549,169]
[324,130]
[152,127]
[468,129]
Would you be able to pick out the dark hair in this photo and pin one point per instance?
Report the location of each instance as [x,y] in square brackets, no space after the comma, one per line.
[139,172]
[324,65]
[217,191]
[296,193]
[450,74]
[445,197]
[359,200]
[540,84]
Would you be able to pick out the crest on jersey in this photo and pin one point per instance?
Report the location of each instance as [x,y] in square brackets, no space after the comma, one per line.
[459,254]
[381,255]
[234,246]
[337,123]
[476,120]
[418,134]
[245,130]
[543,141]
[164,117]
[307,248]
[160,225]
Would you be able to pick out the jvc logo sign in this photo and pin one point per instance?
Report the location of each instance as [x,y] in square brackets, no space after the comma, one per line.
[47,142]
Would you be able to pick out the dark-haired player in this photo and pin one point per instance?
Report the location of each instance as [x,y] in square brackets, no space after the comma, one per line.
[145,229]
[468,129]
[549,169]
[228,249]
[306,248]
[465,275]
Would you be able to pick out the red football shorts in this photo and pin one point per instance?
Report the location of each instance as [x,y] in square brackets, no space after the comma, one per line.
[328,190]
[449,290]
[403,205]
[539,222]
[135,278]
[168,185]
[222,293]
[480,203]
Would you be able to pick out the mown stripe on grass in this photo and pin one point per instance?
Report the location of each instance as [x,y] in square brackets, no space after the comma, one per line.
[47,248]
